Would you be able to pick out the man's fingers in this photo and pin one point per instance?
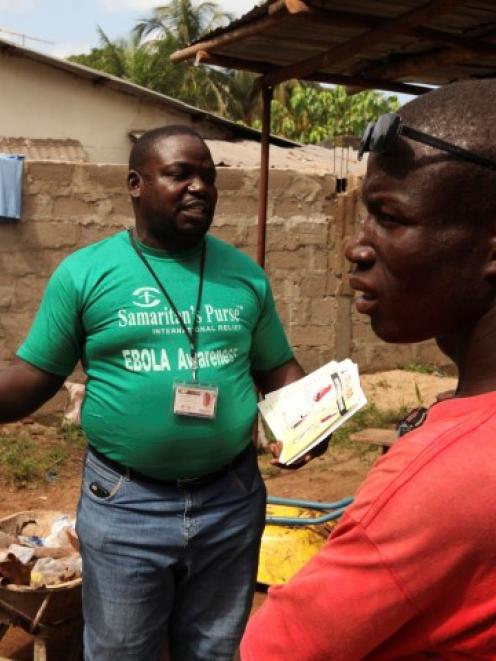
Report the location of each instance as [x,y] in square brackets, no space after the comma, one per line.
[317,451]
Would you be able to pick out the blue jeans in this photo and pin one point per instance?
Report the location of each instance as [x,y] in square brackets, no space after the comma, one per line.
[162,563]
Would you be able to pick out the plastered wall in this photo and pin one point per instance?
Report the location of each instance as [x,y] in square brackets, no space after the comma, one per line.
[42,101]
[67,205]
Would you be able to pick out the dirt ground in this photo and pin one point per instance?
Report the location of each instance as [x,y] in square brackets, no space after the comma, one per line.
[331,477]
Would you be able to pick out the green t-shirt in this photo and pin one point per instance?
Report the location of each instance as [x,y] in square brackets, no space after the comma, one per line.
[103,307]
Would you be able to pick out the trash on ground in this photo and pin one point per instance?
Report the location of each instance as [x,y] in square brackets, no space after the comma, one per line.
[39,560]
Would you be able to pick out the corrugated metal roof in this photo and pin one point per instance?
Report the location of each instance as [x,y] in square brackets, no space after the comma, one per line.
[377,43]
[41,149]
[340,161]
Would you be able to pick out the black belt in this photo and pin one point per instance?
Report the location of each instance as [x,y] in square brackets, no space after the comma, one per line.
[184,483]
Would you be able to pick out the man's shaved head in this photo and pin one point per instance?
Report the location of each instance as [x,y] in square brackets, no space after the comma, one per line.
[145,145]
[462,113]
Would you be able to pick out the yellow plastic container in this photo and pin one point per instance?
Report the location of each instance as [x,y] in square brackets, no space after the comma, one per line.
[286,548]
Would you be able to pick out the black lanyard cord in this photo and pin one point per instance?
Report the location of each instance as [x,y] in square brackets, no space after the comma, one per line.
[191,335]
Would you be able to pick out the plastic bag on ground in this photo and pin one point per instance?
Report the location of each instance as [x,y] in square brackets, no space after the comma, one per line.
[50,571]
[72,412]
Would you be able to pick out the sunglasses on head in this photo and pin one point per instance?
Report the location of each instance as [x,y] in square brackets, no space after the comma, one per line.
[380,136]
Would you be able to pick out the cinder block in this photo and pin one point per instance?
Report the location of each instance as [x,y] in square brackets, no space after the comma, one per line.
[323,311]
[72,207]
[111,178]
[121,205]
[319,260]
[55,174]
[93,233]
[230,179]
[7,296]
[37,206]
[294,260]
[430,353]
[311,335]
[14,236]
[19,263]
[56,234]
[314,285]
[15,325]
[234,208]
[28,292]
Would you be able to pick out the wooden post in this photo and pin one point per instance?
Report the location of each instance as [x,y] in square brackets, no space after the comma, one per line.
[263,186]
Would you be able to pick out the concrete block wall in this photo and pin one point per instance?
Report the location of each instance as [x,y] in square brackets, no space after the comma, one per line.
[68,205]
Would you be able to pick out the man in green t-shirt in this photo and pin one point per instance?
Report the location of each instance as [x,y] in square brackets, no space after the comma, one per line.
[174,329]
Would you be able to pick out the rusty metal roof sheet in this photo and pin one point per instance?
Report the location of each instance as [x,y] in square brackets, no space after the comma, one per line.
[45,149]
[308,159]
[397,45]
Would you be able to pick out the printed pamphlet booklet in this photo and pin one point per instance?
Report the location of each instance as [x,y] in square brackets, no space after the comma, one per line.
[305,412]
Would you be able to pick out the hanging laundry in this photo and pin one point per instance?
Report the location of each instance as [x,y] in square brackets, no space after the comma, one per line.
[11,169]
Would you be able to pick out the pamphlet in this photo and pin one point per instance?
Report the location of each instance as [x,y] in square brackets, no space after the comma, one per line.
[305,412]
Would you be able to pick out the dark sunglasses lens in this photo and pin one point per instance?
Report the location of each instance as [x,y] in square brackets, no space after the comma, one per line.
[365,143]
[385,132]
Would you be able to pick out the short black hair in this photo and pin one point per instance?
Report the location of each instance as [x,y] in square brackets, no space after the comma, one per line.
[144,144]
[462,113]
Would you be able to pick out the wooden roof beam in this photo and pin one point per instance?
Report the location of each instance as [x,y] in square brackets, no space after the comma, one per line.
[228,37]
[203,57]
[369,83]
[388,29]
[456,41]
[410,66]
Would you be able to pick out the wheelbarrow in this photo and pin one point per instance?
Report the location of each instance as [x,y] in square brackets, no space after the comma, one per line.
[47,612]
[295,530]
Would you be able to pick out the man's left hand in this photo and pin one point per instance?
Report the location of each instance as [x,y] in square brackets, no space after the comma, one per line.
[317,451]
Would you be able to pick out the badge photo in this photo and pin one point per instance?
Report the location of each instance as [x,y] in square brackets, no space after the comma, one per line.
[194,400]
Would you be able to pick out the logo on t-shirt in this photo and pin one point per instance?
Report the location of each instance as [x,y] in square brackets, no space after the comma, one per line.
[146,297]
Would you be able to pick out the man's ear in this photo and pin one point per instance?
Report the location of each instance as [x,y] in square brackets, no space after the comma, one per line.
[490,268]
[134,181]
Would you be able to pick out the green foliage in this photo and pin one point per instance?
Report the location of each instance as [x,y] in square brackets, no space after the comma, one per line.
[183,20]
[424,368]
[147,64]
[383,383]
[16,459]
[314,113]
[369,416]
[72,435]
[306,112]
[24,460]
[20,459]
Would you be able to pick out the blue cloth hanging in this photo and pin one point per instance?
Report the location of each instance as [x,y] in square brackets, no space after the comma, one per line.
[11,168]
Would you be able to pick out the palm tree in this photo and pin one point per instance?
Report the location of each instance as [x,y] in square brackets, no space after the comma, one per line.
[183,20]
[180,22]
[119,56]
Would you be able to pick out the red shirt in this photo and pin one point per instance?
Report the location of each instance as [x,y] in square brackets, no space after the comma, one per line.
[410,572]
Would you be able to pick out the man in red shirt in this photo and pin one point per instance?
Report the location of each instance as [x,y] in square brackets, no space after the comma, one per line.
[410,572]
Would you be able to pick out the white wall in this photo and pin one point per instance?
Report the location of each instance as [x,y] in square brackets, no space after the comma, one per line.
[39,101]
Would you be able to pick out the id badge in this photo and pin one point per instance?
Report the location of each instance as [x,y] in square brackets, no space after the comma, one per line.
[195,400]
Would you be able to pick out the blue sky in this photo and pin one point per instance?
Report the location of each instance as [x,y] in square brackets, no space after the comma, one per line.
[71,24]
